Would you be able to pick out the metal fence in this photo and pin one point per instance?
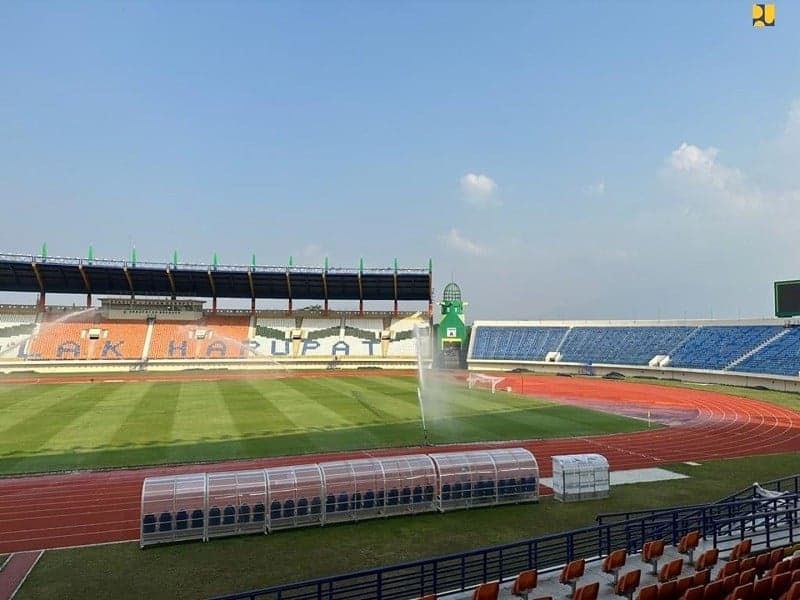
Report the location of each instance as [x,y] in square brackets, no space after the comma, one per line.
[723,522]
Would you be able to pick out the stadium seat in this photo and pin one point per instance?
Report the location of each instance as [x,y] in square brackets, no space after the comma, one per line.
[457,490]
[762,563]
[416,494]
[762,589]
[405,496]
[330,503]
[714,591]
[342,503]
[165,521]
[572,572]
[745,564]
[613,563]
[781,566]
[652,553]
[684,583]
[628,584]
[316,505]
[149,523]
[668,590]
[741,550]
[694,593]
[781,584]
[380,498]
[258,513]
[794,562]
[392,496]
[587,592]
[649,592]
[275,509]
[302,507]
[730,583]
[687,545]
[228,515]
[355,501]
[369,499]
[729,568]
[428,493]
[467,490]
[748,576]
[701,577]
[742,592]
[214,516]
[445,492]
[671,570]
[288,509]
[707,560]
[244,513]
[793,593]
[775,555]
[181,520]
[486,591]
[197,518]
[524,583]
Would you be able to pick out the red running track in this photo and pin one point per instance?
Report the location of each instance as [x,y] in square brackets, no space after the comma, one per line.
[50,511]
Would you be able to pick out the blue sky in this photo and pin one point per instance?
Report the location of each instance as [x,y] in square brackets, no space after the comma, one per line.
[575,160]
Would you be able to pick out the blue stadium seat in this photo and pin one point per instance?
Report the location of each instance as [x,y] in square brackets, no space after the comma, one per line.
[369,499]
[258,513]
[165,521]
[355,501]
[428,493]
[197,518]
[380,498]
[416,494]
[302,507]
[405,496]
[330,503]
[458,491]
[228,515]
[181,520]
[316,505]
[244,513]
[214,516]
[445,491]
[149,523]
[392,496]
[288,509]
[343,503]
[467,487]
[275,510]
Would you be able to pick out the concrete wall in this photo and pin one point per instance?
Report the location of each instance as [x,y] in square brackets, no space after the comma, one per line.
[773,382]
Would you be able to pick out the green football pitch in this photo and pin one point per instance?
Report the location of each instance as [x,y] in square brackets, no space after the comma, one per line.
[54,426]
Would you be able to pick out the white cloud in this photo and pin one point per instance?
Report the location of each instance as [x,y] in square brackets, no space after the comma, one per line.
[595,189]
[312,255]
[480,190]
[455,240]
[698,170]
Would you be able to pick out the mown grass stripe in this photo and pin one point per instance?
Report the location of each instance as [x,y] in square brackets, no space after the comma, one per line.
[152,419]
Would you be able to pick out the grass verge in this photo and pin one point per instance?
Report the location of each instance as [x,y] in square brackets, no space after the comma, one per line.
[195,570]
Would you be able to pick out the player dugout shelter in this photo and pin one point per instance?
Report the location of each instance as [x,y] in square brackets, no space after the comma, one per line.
[202,506]
[47,275]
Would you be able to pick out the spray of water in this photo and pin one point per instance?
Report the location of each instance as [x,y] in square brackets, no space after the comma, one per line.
[44,326]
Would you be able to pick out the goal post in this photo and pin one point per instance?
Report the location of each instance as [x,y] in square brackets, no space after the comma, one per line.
[481,381]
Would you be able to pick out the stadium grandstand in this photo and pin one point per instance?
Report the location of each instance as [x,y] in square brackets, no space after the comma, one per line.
[767,346]
[154,315]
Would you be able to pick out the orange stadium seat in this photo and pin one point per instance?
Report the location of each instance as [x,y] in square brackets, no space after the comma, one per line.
[213,337]
[613,563]
[688,543]
[486,591]
[628,583]
[587,592]
[707,560]
[742,549]
[652,552]
[524,583]
[671,570]
[572,572]
[649,592]
[72,340]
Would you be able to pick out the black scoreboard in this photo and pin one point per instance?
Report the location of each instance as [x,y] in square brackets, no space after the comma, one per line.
[787,298]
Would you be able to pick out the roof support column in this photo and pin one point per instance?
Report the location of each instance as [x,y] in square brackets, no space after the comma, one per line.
[40,303]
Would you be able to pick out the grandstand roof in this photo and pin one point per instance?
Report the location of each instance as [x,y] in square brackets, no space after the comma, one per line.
[20,273]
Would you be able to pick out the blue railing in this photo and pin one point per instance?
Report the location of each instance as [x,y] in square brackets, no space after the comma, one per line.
[776,528]
[790,484]
[459,572]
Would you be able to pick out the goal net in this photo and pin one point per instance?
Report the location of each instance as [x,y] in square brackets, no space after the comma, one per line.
[479,380]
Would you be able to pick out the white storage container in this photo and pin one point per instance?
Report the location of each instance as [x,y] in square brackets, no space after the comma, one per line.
[580,477]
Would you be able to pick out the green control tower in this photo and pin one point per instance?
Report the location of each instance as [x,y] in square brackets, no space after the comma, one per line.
[452,332]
